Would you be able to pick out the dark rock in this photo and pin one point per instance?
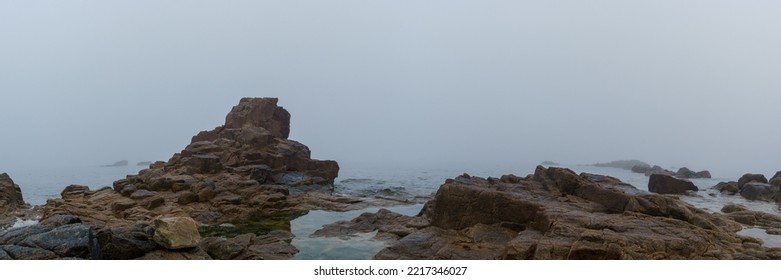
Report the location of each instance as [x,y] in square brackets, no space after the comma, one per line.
[759,191]
[777,175]
[664,184]
[730,188]
[126,242]
[748,178]
[776,181]
[15,252]
[72,240]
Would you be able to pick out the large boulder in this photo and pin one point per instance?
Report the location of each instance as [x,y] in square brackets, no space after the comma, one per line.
[176,232]
[664,184]
[759,191]
[10,195]
[62,236]
[749,177]
[727,187]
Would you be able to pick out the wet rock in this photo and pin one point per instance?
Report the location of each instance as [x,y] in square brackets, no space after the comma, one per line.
[730,188]
[176,232]
[63,236]
[73,240]
[14,252]
[126,242]
[759,191]
[385,221]
[664,184]
[272,246]
[557,214]
[748,178]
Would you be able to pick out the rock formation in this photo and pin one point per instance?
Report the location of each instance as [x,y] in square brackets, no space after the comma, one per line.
[754,187]
[12,205]
[244,173]
[683,172]
[664,184]
[10,195]
[555,214]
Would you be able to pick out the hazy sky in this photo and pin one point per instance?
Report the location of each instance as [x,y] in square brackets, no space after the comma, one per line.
[448,82]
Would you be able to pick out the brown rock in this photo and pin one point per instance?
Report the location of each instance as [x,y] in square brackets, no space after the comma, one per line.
[556,214]
[730,188]
[10,195]
[663,184]
[176,232]
[74,191]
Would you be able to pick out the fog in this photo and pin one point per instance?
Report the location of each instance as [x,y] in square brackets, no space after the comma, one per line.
[417,83]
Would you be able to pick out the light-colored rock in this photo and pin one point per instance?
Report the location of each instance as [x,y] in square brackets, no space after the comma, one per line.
[176,232]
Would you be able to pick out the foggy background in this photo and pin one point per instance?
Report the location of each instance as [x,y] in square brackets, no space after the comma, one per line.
[416,83]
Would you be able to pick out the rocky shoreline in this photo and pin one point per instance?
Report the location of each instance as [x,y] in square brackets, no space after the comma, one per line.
[232,192]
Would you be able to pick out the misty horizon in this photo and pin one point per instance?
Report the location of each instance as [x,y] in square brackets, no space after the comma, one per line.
[398,83]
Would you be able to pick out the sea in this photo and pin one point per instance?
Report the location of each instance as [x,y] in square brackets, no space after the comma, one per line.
[365,180]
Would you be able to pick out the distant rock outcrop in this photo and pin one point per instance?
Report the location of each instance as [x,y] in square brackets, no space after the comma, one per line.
[683,172]
[549,163]
[144,163]
[554,214]
[686,173]
[623,164]
[117,164]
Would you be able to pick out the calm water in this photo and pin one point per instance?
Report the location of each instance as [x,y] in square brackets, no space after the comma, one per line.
[366,181]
